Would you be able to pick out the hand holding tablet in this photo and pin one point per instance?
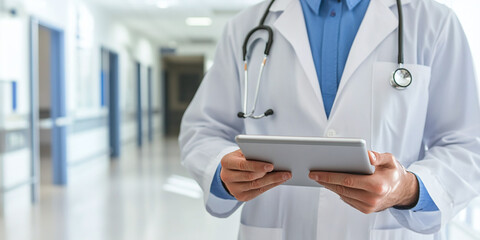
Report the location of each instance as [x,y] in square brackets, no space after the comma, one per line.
[246,179]
[341,165]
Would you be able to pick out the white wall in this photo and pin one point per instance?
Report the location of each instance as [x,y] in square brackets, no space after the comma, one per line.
[82,63]
[15,164]
[13,56]
[131,47]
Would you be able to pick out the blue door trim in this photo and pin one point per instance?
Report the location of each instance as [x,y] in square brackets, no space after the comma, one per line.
[59,134]
[139,105]
[113,86]
[58,106]
[102,88]
[14,96]
[150,110]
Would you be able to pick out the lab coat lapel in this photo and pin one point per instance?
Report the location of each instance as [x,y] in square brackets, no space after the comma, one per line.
[291,24]
[378,23]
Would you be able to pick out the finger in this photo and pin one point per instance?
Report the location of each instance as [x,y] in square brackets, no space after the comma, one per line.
[353,193]
[242,164]
[344,179]
[251,194]
[229,175]
[360,206]
[268,179]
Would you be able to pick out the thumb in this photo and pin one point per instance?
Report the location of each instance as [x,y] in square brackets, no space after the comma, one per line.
[386,160]
[374,158]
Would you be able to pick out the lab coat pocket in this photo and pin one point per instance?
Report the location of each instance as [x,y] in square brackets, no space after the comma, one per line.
[398,234]
[399,114]
[252,233]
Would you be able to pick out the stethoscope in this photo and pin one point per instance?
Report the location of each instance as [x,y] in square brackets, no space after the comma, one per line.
[401,78]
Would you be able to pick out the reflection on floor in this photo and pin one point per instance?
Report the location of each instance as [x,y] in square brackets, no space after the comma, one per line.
[144,195]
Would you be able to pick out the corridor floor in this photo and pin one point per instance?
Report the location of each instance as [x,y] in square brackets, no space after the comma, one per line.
[144,195]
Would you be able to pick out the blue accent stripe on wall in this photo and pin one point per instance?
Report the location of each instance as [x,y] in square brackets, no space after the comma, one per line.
[139,106]
[14,96]
[102,88]
[114,105]
[150,111]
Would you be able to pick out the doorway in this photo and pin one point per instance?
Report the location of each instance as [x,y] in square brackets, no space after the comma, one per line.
[110,92]
[183,75]
[48,101]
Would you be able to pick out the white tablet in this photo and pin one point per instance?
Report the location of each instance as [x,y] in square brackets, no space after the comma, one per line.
[300,155]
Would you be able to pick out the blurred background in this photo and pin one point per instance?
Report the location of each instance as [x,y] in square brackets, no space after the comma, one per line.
[91,97]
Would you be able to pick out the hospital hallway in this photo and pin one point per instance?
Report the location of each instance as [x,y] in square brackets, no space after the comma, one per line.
[92,97]
[146,194]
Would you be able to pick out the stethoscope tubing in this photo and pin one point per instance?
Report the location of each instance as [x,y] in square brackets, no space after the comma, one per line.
[257,89]
[405,75]
[400,33]
[260,27]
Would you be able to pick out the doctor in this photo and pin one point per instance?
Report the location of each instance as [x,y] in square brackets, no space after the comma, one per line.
[329,73]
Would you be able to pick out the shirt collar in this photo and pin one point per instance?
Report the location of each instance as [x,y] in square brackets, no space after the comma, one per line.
[315,4]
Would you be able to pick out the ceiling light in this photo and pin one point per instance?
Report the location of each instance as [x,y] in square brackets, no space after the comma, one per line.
[198,21]
[163,4]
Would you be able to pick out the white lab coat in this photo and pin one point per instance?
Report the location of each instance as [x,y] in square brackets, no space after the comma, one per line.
[432,127]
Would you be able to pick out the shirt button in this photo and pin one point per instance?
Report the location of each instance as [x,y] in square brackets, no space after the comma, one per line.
[333,13]
[331,133]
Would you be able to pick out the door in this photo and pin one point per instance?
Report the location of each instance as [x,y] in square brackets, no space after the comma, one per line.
[111,98]
[59,110]
[183,75]
[48,101]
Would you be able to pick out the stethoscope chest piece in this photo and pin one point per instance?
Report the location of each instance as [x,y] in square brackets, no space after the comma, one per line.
[401,78]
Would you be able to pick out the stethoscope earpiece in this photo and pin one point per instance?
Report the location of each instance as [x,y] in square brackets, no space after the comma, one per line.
[265,114]
[241,115]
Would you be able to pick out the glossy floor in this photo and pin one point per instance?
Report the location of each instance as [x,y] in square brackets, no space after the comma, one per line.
[144,195]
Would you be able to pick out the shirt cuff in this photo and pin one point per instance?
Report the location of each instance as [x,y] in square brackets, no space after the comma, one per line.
[425,202]
[217,187]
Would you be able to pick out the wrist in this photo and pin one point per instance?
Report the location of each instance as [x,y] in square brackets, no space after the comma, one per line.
[226,188]
[410,194]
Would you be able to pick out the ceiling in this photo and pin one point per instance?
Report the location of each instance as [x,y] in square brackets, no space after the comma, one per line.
[167,25]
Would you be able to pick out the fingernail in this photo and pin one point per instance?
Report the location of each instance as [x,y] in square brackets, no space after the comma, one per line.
[372,156]
[285,176]
[268,168]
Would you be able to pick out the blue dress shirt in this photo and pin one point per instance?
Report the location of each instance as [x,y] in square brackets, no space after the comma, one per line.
[331,26]
[217,187]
